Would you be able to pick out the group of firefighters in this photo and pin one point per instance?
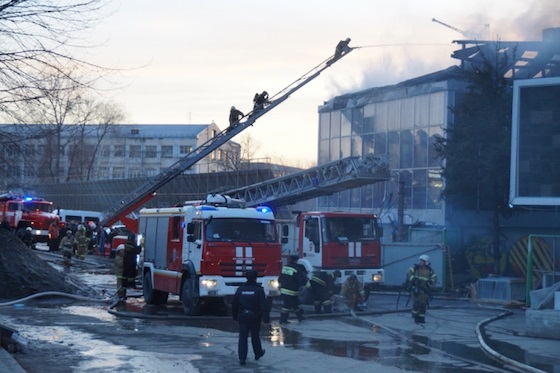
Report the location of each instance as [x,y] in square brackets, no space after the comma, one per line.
[250,308]
[419,280]
[75,240]
[72,243]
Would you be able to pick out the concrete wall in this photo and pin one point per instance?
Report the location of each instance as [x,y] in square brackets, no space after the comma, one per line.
[542,323]
[396,259]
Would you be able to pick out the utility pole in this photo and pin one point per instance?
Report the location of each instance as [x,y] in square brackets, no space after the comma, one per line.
[400,213]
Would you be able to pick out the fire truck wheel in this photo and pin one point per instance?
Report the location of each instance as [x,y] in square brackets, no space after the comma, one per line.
[152,296]
[191,301]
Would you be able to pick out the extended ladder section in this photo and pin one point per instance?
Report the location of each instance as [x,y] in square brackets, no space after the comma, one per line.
[337,176]
[146,191]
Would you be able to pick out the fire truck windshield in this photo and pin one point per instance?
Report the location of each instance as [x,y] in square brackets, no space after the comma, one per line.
[235,229]
[348,228]
[36,206]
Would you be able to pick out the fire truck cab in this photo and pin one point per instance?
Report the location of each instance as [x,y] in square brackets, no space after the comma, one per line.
[22,212]
[344,241]
[201,251]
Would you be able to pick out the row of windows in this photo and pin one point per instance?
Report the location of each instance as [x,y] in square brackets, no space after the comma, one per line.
[405,148]
[134,151]
[410,113]
[122,173]
[422,190]
[405,130]
[146,151]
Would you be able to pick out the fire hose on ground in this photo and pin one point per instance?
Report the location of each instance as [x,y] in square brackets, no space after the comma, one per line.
[53,293]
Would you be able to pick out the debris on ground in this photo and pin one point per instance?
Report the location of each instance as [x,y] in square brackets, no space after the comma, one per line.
[23,273]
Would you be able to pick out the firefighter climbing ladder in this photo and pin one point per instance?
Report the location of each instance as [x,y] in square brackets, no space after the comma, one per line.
[147,190]
[342,174]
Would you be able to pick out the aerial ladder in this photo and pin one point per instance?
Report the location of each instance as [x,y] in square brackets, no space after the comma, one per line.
[329,178]
[467,34]
[145,192]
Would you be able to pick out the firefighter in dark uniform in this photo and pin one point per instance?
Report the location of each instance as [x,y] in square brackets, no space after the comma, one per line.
[250,308]
[420,278]
[292,278]
[322,288]
[131,250]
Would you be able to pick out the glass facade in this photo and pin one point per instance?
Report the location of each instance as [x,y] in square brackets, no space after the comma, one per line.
[404,129]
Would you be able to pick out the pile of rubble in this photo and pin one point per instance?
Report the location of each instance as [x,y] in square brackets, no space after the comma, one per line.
[23,273]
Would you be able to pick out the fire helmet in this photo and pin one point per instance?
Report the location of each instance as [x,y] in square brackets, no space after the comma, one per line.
[425,258]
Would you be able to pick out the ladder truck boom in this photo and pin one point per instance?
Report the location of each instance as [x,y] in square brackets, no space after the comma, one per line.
[332,177]
[146,191]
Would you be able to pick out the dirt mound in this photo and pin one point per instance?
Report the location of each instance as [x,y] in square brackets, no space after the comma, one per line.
[23,273]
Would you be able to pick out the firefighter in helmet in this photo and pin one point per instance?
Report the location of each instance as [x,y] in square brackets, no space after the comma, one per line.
[420,278]
[129,271]
[292,278]
[27,238]
[260,100]
[82,241]
[118,266]
[322,288]
[67,246]
[234,116]
[353,292]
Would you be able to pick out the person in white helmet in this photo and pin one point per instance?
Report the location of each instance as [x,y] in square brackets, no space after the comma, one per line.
[420,278]
[27,238]
[120,295]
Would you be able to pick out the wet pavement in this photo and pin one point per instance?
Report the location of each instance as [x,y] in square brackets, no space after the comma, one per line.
[137,337]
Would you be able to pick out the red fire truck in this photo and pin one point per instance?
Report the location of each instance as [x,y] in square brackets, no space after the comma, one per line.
[22,212]
[201,251]
[349,242]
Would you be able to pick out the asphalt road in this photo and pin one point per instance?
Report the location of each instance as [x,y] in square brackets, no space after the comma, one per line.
[62,334]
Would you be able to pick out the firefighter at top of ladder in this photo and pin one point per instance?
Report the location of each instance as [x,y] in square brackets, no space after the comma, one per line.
[341,48]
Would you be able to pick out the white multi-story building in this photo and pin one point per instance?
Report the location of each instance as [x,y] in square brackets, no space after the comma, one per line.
[125,151]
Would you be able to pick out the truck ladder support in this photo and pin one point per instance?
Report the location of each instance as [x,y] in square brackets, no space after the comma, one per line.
[342,174]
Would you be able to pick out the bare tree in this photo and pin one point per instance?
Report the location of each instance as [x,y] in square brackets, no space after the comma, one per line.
[249,148]
[67,124]
[37,36]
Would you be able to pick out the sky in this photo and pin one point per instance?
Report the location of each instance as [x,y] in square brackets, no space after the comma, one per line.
[187,62]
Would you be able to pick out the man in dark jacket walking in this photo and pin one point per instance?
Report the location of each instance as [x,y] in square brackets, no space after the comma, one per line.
[250,308]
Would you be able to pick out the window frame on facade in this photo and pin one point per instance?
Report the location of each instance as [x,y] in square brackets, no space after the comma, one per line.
[151,151]
[185,149]
[135,151]
[118,173]
[167,151]
[119,150]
